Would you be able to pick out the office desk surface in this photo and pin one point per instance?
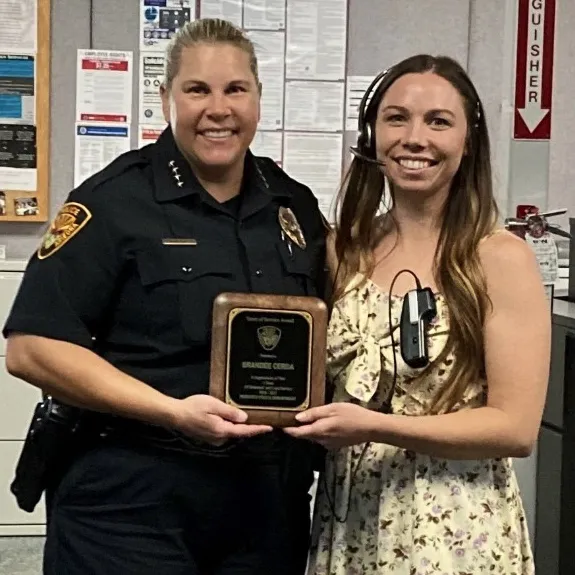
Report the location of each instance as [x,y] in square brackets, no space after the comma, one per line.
[564,312]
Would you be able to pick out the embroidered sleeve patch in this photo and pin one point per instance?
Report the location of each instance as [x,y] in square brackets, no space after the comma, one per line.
[71,218]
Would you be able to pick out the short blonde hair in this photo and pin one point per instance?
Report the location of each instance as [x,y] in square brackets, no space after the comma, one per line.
[207,31]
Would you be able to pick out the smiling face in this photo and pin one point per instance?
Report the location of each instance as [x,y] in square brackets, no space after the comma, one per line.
[213,105]
[421,132]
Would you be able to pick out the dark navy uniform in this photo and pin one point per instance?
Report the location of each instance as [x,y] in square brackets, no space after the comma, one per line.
[130,269]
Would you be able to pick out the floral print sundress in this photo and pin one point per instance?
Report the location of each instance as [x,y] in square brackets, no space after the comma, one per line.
[408,513]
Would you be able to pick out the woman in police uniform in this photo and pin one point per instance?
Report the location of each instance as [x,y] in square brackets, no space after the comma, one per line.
[114,316]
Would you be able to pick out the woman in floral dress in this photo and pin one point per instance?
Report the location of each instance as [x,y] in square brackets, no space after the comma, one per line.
[419,477]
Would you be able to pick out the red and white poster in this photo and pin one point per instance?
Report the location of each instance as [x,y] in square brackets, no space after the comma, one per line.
[148,134]
[104,86]
[534,69]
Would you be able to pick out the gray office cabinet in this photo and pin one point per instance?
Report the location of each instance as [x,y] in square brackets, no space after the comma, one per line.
[17,401]
[555,511]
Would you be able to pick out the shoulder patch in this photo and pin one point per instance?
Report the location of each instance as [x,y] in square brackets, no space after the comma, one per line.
[71,218]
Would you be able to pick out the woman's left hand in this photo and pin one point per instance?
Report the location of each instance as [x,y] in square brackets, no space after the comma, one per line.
[334,425]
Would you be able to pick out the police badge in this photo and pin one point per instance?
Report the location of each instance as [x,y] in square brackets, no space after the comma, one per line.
[268,355]
[290,227]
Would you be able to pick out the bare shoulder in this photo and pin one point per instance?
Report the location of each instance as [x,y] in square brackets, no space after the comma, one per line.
[503,250]
[509,262]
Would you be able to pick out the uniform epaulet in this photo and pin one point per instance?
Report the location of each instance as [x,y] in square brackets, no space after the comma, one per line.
[120,165]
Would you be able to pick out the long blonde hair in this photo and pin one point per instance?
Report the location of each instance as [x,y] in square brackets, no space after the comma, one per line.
[470,214]
[207,31]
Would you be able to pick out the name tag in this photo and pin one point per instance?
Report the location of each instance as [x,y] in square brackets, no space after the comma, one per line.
[179,242]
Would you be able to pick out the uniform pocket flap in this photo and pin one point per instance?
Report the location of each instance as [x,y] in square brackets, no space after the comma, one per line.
[297,261]
[167,263]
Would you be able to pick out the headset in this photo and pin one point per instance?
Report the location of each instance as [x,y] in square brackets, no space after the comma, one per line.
[365,147]
[419,305]
[419,309]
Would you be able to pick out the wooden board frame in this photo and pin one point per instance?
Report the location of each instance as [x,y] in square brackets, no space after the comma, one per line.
[42,95]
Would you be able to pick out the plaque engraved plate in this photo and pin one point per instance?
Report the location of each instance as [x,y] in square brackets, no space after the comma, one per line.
[268,355]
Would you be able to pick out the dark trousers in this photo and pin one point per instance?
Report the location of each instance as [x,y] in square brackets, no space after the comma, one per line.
[126,511]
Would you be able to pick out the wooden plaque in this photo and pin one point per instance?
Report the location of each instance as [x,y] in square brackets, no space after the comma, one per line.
[268,355]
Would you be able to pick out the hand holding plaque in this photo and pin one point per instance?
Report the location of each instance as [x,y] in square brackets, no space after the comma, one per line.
[268,355]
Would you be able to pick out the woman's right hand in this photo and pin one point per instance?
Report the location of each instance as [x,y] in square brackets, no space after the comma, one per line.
[211,420]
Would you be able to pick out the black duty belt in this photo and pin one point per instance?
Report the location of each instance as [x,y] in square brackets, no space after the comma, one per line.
[146,435]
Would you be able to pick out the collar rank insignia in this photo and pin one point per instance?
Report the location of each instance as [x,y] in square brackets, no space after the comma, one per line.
[71,218]
[291,227]
[176,173]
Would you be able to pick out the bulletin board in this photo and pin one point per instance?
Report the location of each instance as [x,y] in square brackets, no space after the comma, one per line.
[25,41]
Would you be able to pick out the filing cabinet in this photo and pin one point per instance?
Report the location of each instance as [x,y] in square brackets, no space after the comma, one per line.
[555,527]
[17,401]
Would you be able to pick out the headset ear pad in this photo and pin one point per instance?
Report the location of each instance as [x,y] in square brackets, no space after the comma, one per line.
[366,138]
[370,139]
[367,133]
[366,117]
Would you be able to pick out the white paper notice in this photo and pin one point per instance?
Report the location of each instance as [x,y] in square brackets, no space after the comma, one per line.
[270,52]
[317,38]
[265,14]
[18,157]
[315,160]
[149,134]
[18,25]
[230,10]
[356,88]
[21,179]
[268,144]
[546,252]
[151,76]
[161,19]
[104,86]
[96,146]
[314,106]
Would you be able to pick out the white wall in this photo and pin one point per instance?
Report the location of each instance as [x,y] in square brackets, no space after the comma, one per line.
[561,191]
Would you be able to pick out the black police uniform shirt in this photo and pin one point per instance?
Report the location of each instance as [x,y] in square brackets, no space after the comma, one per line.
[134,259]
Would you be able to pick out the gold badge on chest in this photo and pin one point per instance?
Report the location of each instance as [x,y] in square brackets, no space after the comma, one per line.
[290,227]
